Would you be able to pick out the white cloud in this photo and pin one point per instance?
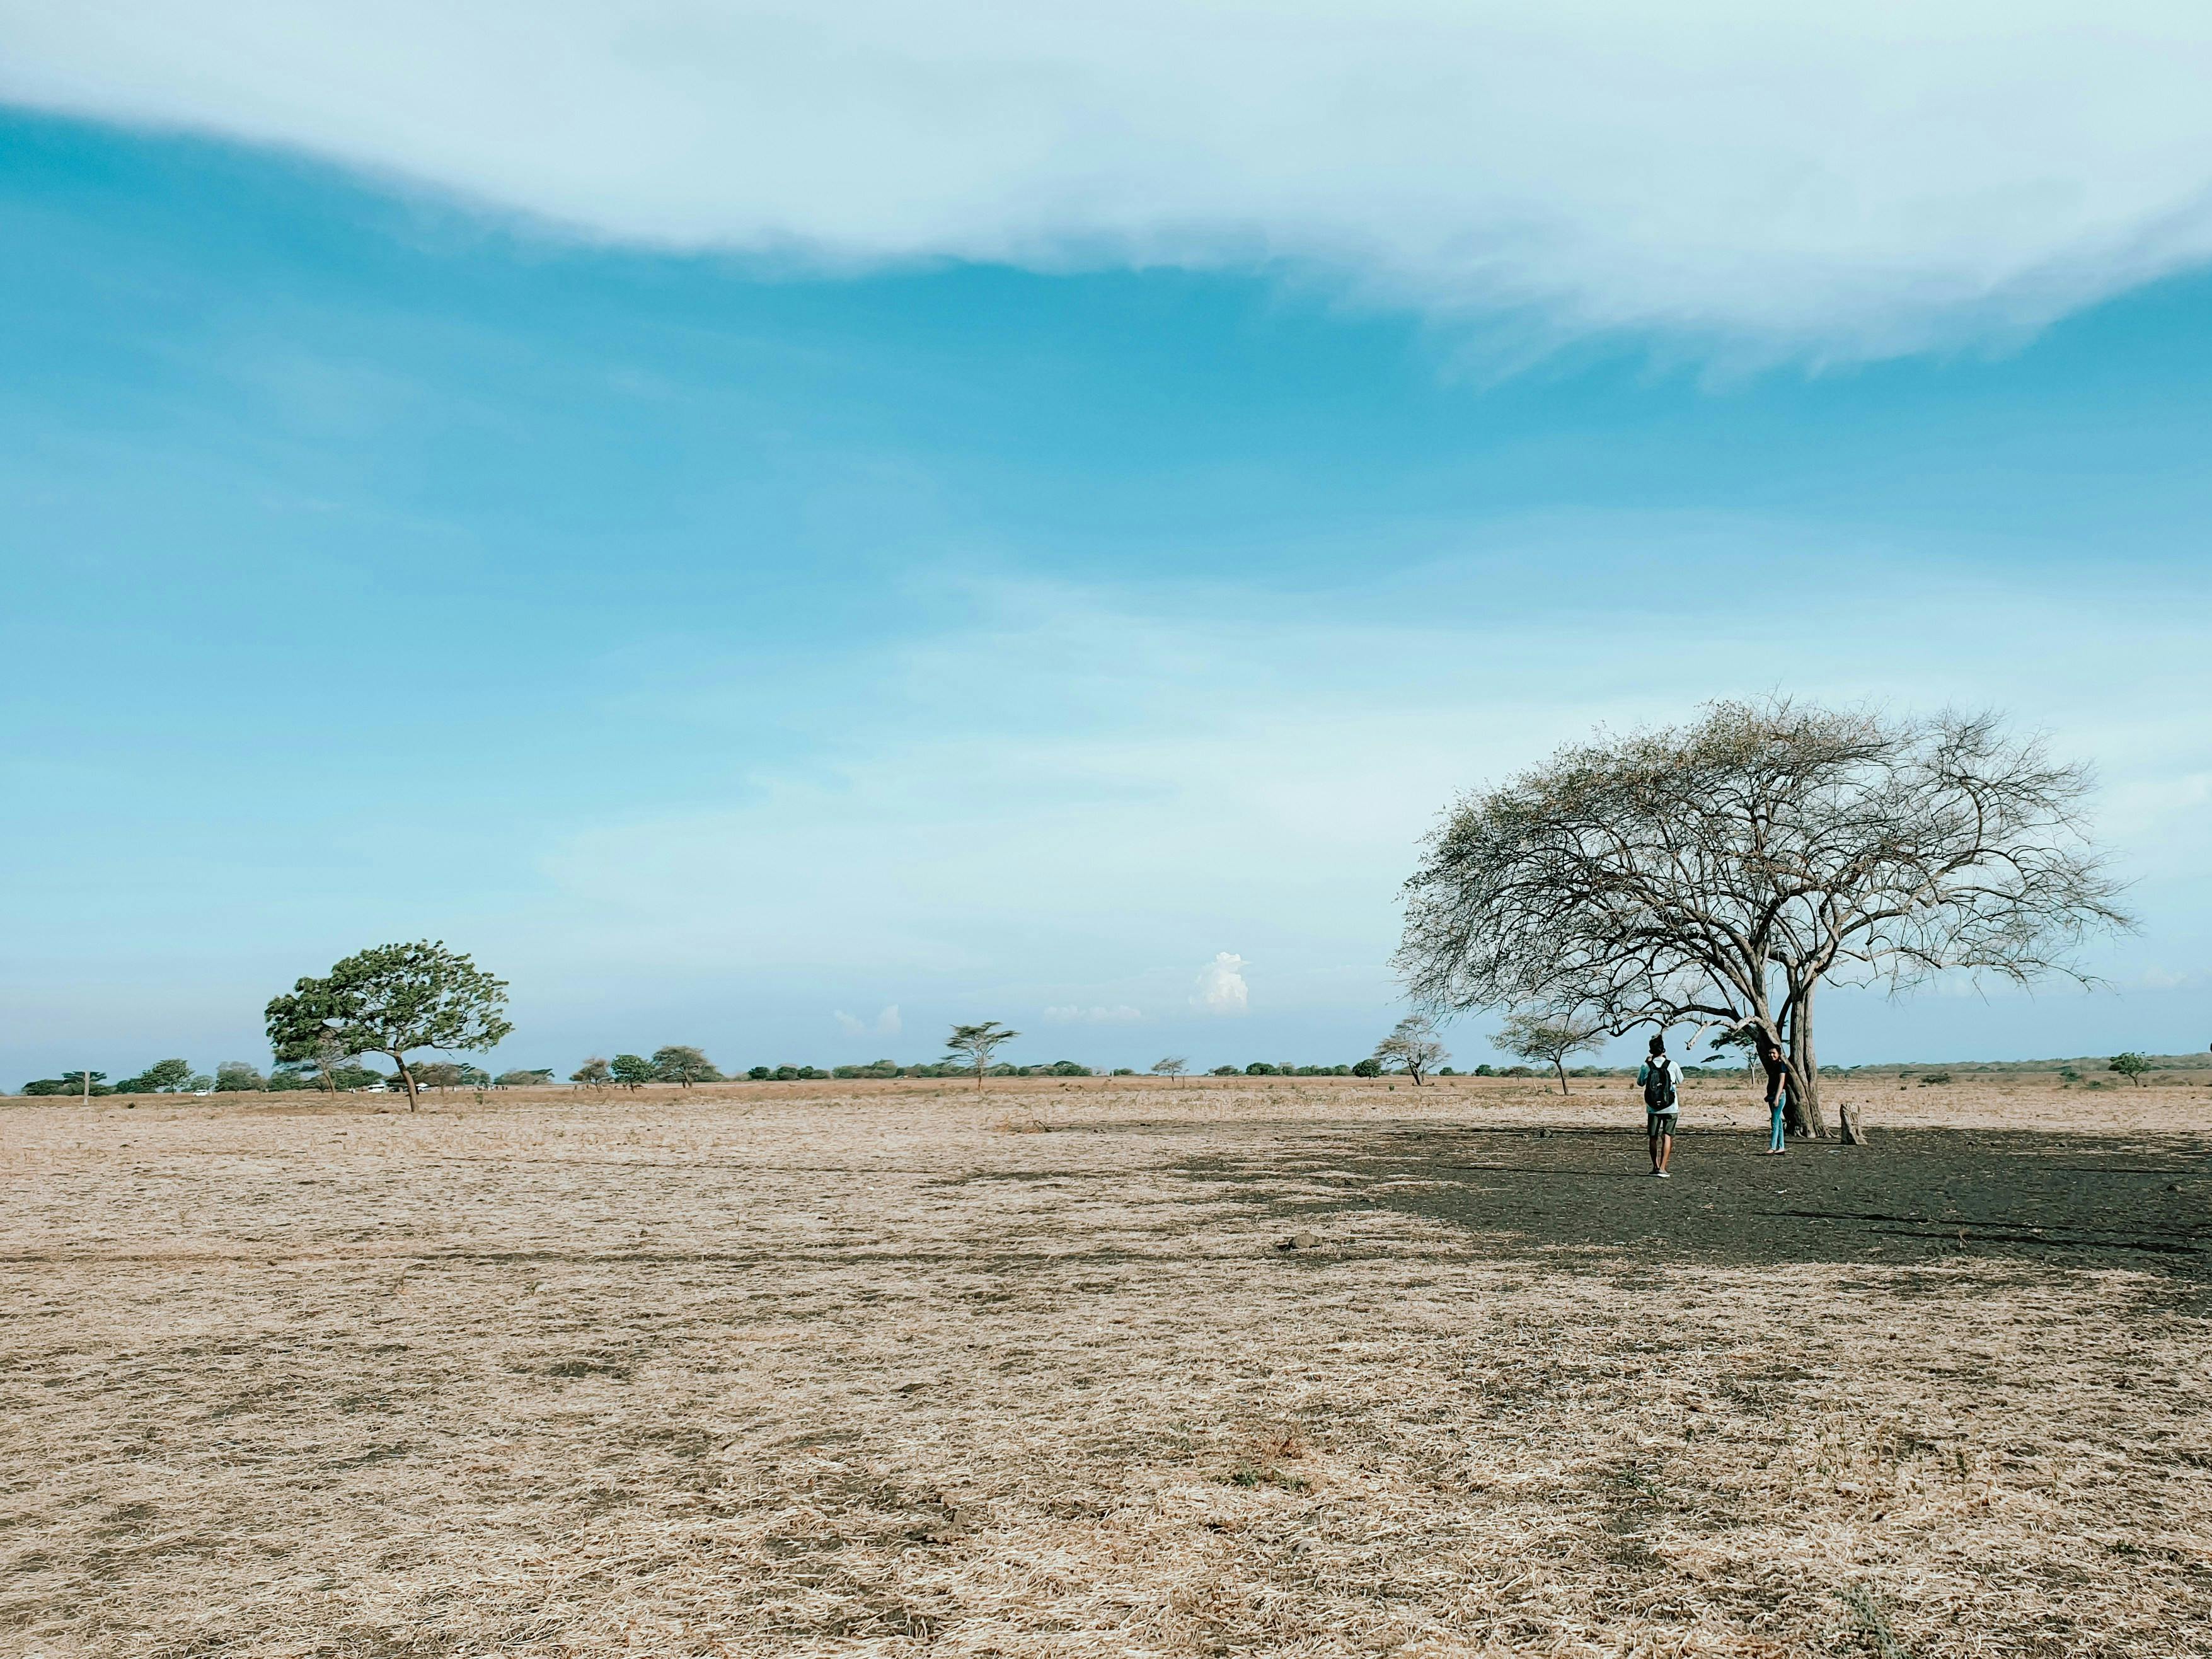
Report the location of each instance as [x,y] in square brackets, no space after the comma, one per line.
[887,1023]
[1221,988]
[1830,178]
[1121,1014]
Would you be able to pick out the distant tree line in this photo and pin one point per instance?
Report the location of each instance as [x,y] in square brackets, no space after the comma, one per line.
[393,999]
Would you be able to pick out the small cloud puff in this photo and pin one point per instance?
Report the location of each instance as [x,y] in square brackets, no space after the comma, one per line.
[887,1023]
[1221,988]
[1120,1014]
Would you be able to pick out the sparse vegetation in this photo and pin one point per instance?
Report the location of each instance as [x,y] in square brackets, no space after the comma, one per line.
[638,1361]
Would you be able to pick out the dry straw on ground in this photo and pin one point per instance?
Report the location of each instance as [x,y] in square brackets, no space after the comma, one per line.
[855,1369]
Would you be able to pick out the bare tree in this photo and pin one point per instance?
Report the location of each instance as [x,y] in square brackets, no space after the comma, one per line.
[1721,873]
[1412,1047]
[974,1045]
[1174,1066]
[1552,1041]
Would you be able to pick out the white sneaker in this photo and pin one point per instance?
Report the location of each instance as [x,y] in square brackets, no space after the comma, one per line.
[1662,1175]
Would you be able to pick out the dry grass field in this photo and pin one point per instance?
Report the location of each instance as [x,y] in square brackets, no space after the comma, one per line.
[855,1368]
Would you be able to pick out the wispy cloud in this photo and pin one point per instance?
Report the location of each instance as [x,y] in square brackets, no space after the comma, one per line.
[1835,180]
[1120,1014]
[886,1025]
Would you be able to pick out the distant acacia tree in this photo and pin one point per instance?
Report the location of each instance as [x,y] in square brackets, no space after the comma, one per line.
[678,1062]
[970,1047]
[390,1000]
[163,1077]
[440,1074]
[2130,1066]
[532,1077]
[238,1077]
[592,1073]
[1412,1048]
[330,1057]
[631,1071]
[1719,874]
[1551,1040]
[1174,1066]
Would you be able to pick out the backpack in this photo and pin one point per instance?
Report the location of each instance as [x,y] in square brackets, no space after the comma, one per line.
[1659,1084]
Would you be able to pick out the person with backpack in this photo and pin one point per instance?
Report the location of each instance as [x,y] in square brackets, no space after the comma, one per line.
[1662,1081]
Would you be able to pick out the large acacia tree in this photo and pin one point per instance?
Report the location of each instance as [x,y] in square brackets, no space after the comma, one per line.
[390,1000]
[1721,873]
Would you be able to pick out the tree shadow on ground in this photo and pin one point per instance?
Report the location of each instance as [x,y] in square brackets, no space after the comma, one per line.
[2137,1201]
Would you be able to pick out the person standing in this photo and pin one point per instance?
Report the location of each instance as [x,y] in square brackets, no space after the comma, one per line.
[1777,1091]
[1662,1082]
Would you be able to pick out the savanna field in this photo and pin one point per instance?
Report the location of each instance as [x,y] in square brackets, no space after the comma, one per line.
[895,1369]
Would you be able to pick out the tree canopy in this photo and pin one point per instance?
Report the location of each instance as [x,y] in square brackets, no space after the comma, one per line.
[1550,1039]
[163,1077]
[390,1000]
[680,1062]
[971,1046]
[1719,873]
[1412,1047]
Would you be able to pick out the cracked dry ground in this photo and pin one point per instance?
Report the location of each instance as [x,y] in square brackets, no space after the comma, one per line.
[887,1371]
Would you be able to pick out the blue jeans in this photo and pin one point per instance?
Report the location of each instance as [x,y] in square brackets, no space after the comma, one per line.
[1781,1109]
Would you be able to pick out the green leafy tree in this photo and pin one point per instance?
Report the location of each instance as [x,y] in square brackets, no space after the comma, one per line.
[77,1083]
[163,1077]
[1174,1066]
[592,1073]
[391,1000]
[970,1047]
[238,1077]
[631,1071]
[532,1077]
[1550,1038]
[2130,1066]
[680,1062]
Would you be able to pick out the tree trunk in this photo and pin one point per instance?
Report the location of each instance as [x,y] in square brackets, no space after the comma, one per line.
[1804,1115]
[1849,1130]
[406,1077]
[1560,1066]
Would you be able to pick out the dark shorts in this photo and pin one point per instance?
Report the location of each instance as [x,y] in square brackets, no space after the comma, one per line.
[1661,1123]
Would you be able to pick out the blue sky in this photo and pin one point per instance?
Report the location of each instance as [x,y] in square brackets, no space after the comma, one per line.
[734,629]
